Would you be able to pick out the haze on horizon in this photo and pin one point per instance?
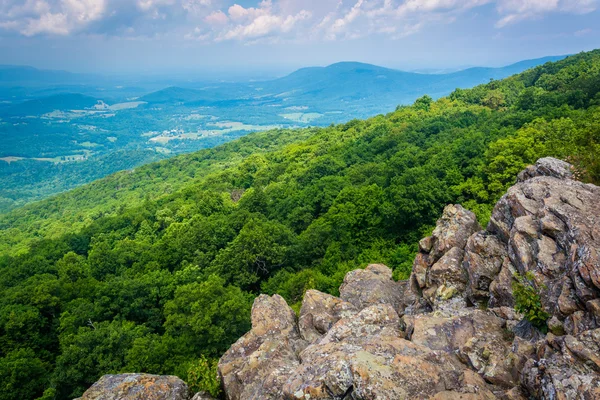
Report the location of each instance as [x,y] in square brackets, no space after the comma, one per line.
[167,36]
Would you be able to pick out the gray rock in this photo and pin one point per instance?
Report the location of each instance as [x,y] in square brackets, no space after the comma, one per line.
[137,387]
[320,312]
[438,275]
[549,224]
[202,396]
[373,285]
[258,364]
[484,256]
[564,368]
[547,167]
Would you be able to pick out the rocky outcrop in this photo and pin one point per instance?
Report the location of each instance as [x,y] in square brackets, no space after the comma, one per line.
[438,275]
[137,387]
[450,331]
[258,365]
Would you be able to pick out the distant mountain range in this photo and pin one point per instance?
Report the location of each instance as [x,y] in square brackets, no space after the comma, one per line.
[369,87]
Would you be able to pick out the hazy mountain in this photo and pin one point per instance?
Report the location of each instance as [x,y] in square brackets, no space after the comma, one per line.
[67,101]
[368,87]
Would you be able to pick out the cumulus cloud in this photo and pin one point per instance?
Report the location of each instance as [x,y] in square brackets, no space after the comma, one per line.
[223,20]
[514,11]
[62,17]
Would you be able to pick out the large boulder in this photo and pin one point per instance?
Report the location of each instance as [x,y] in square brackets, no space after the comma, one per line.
[372,285]
[259,363]
[484,257]
[438,274]
[477,337]
[547,167]
[137,387]
[366,357]
[320,312]
[549,224]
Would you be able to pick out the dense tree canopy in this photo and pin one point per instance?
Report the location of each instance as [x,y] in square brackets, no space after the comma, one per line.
[105,279]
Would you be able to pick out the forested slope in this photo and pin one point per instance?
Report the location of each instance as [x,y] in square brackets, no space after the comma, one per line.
[151,270]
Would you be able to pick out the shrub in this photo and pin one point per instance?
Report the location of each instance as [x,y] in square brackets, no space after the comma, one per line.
[527,301]
[202,377]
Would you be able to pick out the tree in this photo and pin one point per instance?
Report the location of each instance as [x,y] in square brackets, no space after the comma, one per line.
[206,317]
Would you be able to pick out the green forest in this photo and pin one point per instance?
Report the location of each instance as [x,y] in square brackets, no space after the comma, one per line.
[155,270]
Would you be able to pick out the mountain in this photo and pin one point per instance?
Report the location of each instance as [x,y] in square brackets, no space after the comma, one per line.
[60,102]
[360,89]
[155,269]
[12,75]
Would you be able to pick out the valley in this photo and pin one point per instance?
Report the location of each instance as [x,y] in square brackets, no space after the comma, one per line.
[61,131]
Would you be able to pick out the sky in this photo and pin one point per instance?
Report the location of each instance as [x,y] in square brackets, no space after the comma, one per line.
[179,36]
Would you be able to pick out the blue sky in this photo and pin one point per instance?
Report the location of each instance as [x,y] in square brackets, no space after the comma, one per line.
[281,35]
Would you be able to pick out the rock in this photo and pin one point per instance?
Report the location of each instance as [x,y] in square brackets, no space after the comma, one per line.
[259,363]
[484,256]
[547,167]
[514,394]
[453,229]
[137,387]
[501,293]
[525,330]
[366,357]
[438,275]
[202,396]
[564,369]
[448,272]
[373,285]
[556,326]
[549,225]
[320,312]
[477,337]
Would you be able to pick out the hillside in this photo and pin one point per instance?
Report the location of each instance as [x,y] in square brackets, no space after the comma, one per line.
[58,136]
[155,270]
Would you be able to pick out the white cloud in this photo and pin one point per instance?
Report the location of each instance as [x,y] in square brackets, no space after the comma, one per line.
[60,18]
[217,18]
[514,11]
[264,20]
[256,22]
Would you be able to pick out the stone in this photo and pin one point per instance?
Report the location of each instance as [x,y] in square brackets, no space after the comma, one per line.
[483,260]
[373,285]
[563,369]
[548,222]
[259,363]
[202,396]
[547,167]
[366,357]
[320,312]
[453,229]
[137,387]
[501,293]
[438,275]
[477,337]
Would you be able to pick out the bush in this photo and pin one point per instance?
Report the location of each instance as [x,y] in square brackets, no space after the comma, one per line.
[527,301]
[202,377]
